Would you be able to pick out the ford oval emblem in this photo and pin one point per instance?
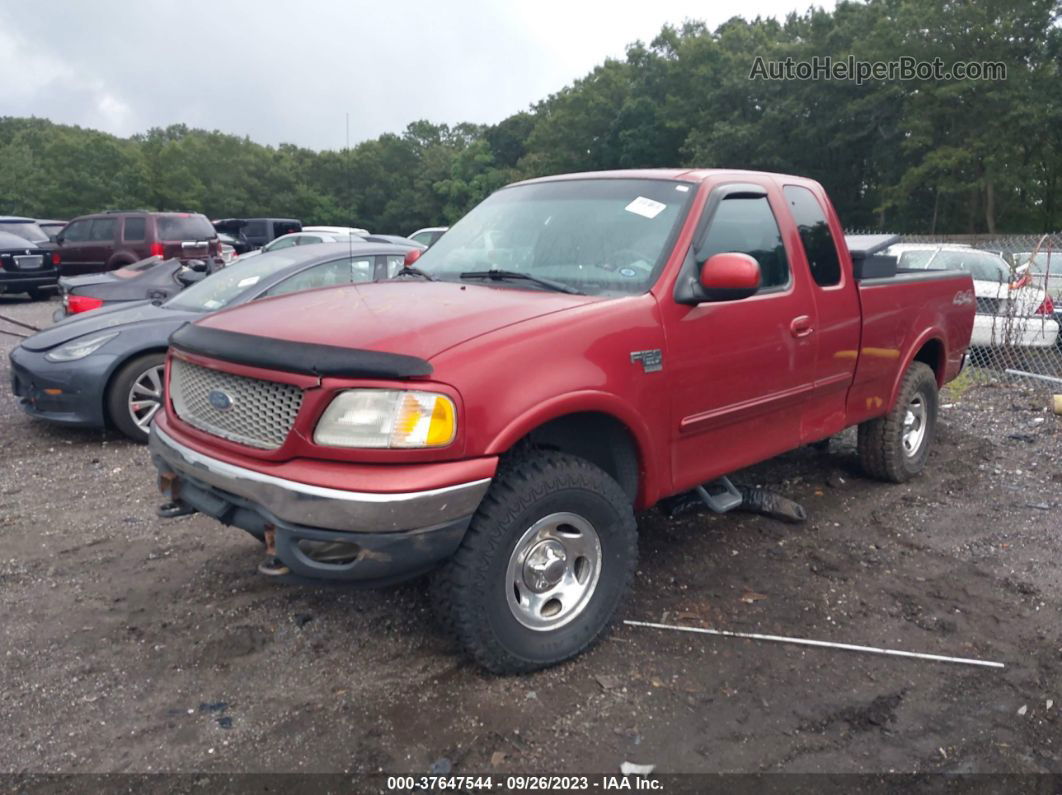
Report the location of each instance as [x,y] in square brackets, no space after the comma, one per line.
[222,401]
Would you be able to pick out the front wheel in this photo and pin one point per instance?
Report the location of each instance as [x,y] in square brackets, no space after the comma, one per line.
[544,565]
[135,395]
[895,447]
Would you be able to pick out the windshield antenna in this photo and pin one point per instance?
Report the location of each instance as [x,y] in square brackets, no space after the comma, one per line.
[350,198]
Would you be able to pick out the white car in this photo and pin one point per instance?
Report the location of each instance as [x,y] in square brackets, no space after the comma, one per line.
[428,235]
[306,237]
[338,230]
[1010,311]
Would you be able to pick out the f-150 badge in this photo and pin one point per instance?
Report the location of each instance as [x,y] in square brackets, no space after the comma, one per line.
[652,361]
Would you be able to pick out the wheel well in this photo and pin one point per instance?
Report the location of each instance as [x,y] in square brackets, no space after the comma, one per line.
[932,353]
[598,438]
[114,374]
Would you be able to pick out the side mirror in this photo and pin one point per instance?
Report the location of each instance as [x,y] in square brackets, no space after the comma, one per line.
[198,265]
[59,238]
[411,256]
[729,277]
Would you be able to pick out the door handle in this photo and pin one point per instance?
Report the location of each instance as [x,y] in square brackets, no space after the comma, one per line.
[801,326]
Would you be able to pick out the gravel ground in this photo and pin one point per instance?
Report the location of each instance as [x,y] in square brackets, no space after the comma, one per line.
[136,644]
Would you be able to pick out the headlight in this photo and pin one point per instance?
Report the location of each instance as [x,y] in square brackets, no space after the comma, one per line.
[80,348]
[387,418]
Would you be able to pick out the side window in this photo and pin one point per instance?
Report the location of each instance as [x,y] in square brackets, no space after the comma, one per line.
[815,235]
[394,264]
[284,228]
[103,229]
[286,242]
[306,240]
[328,274]
[255,229]
[77,231]
[133,230]
[746,225]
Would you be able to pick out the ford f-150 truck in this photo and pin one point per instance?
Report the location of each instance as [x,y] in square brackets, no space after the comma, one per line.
[572,351]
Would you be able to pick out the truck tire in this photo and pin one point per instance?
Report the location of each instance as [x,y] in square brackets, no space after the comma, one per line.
[131,397]
[895,447]
[546,561]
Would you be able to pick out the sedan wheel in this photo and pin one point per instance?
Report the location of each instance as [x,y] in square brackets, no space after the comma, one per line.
[135,395]
[145,396]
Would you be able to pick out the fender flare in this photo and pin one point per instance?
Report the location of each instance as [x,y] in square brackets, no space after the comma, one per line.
[932,334]
[590,401]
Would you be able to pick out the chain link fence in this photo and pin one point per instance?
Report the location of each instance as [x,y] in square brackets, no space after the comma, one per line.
[1018,288]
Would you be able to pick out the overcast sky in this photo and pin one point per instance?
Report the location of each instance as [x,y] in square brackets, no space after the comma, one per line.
[290,71]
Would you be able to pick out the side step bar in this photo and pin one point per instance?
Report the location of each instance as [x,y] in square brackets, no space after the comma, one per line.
[721,496]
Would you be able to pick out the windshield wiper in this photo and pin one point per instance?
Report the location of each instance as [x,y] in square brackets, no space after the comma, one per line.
[414,272]
[497,275]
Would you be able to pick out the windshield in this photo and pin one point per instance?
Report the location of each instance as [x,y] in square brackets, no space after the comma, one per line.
[982,266]
[225,286]
[27,230]
[599,236]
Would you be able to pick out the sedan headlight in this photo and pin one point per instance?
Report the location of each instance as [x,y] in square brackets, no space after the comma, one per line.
[387,418]
[80,348]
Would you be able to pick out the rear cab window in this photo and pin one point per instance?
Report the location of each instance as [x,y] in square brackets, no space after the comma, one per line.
[184,228]
[815,236]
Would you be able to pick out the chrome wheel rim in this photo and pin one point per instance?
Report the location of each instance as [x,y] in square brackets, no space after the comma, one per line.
[914,426]
[145,396]
[553,571]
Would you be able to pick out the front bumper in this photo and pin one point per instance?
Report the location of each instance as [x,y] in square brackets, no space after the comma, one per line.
[70,393]
[388,535]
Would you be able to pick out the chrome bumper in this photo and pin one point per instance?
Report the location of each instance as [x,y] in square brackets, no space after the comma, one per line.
[315,506]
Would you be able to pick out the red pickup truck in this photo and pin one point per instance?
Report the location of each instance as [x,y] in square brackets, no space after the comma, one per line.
[574,350]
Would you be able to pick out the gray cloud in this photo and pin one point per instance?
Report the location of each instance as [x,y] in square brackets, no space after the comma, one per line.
[291,71]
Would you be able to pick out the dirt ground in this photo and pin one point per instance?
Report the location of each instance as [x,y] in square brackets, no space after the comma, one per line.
[135,644]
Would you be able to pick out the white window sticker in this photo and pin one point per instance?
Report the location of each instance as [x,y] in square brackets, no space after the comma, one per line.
[683,188]
[645,207]
[212,303]
[248,281]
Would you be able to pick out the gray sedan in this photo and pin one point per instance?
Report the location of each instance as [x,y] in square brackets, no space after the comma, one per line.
[105,367]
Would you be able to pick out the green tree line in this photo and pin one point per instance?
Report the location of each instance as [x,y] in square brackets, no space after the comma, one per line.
[921,155]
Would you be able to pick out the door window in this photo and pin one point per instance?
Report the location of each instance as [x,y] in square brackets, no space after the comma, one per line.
[284,242]
[134,229]
[328,274]
[746,225]
[815,235]
[77,232]
[103,229]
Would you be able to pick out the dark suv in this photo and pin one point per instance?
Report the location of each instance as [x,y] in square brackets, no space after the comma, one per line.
[256,232]
[106,241]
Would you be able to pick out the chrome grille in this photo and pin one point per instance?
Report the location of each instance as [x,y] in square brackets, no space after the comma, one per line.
[260,413]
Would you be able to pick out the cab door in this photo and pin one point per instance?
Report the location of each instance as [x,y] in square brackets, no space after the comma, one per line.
[740,371]
[837,309]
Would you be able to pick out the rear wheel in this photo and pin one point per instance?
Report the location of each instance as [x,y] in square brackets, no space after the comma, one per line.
[895,447]
[135,395]
[545,563]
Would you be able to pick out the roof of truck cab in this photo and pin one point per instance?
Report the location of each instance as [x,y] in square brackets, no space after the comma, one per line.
[676,174]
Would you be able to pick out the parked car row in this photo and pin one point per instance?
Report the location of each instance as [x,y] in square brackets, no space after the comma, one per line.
[37,253]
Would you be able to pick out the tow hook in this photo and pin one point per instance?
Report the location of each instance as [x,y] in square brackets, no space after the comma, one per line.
[171,510]
[170,487]
[271,567]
